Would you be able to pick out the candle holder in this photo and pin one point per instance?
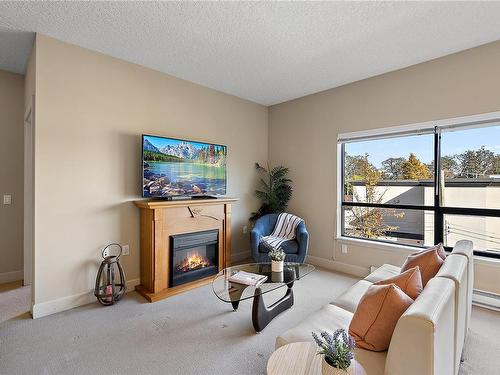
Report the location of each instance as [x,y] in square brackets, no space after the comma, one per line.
[110,281]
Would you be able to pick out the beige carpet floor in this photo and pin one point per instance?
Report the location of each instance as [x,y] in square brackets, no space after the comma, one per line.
[14,300]
[191,333]
[481,353]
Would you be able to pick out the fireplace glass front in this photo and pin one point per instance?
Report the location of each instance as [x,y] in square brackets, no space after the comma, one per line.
[193,256]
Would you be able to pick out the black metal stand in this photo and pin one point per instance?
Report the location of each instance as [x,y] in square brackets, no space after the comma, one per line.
[235,304]
[235,293]
[262,315]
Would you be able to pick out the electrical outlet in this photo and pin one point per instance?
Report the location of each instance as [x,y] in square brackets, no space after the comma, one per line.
[344,249]
[245,229]
[126,250]
[7,199]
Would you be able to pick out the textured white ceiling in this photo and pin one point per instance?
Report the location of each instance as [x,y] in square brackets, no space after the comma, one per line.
[15,48]
[268,52]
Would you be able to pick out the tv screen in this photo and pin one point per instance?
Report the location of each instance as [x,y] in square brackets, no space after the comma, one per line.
[175,167]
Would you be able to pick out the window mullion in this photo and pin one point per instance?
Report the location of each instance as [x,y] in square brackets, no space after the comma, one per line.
[438,213]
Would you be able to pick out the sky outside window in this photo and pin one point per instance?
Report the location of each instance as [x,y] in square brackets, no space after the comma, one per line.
[452,143]
[379,150]
[459,141]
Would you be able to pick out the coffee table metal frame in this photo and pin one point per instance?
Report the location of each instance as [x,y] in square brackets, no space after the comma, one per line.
[262,315]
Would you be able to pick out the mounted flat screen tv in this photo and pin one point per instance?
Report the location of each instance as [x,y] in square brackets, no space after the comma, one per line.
[180,168]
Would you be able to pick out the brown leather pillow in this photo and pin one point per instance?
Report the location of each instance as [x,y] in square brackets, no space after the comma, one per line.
[429,262]
[409,281]
[378,312]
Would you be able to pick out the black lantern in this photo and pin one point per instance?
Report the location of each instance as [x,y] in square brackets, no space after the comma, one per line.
[108,288]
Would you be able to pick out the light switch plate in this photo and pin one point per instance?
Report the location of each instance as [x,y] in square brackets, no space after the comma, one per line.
[7,199]
[344,248]
[126,250]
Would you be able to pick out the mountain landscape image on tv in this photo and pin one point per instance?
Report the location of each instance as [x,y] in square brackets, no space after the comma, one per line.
[174,167]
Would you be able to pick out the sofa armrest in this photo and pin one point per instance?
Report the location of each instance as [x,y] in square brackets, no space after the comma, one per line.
[428,325]
[303,240]
[466,248]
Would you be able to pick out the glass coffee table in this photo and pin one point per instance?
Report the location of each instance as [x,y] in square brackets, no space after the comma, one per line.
[261,315]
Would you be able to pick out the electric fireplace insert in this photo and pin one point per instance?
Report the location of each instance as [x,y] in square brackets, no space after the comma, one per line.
[193,256]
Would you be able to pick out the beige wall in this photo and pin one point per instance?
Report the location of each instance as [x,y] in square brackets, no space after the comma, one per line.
[30,77]
[91,111]
[11,175]
[28,228]
[303,132]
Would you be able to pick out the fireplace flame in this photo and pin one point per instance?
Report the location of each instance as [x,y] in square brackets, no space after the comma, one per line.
[193,262]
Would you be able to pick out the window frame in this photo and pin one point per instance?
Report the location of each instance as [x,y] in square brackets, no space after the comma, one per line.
[439,210]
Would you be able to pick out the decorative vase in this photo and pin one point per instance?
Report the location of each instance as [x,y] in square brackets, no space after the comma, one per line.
[327,369]
[277,265]
[277,277]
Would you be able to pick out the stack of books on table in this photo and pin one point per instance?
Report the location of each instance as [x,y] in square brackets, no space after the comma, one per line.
[247,278]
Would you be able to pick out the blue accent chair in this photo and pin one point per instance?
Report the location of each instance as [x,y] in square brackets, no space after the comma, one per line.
[296,250]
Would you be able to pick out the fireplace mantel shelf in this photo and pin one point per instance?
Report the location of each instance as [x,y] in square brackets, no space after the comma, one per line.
[158,203]
[160,220]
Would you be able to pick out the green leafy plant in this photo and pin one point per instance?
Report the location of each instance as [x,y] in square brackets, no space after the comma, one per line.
[338,348]
[276,254]
[274,192]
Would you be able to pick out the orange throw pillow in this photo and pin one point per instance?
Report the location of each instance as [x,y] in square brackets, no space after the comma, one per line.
[429,262]
[376,317]
[409,282]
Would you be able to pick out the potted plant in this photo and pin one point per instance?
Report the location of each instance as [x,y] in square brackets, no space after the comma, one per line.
[274,192]
[277,256]
[337,350]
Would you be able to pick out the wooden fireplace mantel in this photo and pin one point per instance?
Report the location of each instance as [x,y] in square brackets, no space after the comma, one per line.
[162,219]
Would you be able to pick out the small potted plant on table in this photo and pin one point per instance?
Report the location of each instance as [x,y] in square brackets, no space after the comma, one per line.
[337,350]
[277,256]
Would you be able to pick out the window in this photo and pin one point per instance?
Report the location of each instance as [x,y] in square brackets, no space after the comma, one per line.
[470,198]
[440,183]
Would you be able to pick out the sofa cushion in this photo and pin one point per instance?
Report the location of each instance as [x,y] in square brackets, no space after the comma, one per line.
[383,272]
[329,318]
[349,300]
[408,281]
[289,247]
[429,262]
[376,317]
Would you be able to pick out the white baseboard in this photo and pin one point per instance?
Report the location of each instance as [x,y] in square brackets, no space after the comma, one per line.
[486,299]
[65,303]
[61,304]
[7,277]
[131,284]
[337,266]
[236,257]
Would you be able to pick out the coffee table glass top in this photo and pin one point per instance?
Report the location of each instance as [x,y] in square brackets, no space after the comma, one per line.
[232,292]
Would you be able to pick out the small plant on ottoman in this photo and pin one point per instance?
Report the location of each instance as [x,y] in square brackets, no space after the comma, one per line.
[277,256]
[337,350]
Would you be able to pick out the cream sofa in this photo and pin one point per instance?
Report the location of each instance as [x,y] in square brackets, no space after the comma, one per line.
[429,336]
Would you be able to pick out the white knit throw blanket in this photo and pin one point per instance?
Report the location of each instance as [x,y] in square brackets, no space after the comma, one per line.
[284,230]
